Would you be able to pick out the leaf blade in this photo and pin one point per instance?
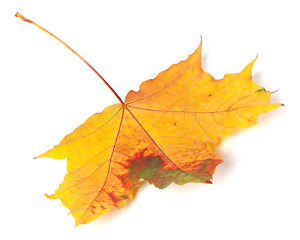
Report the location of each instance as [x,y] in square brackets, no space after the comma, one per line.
[164,133]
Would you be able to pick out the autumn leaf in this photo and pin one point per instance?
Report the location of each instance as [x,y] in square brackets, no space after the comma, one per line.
[164,133]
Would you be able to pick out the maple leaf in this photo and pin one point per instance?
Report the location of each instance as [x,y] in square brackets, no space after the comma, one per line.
[164,133]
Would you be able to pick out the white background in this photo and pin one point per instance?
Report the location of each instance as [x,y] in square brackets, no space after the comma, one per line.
[46,92]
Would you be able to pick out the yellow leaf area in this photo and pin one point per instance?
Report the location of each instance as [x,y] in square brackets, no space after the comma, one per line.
[163,133]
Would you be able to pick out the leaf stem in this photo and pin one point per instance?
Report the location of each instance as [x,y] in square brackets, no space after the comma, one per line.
[98,74]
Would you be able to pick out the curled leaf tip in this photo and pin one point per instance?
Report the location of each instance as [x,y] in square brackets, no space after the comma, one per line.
[18,15]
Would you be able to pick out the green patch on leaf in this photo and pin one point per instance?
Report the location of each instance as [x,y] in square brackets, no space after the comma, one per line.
[152,169]
[261,90]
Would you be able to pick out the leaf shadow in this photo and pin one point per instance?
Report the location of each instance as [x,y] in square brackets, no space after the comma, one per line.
[219,177]
[204,61]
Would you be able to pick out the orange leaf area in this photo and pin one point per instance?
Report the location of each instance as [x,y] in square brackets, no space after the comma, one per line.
[163,133]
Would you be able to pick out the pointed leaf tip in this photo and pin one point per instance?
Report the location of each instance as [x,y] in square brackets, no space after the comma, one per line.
[196,56]
[247,71]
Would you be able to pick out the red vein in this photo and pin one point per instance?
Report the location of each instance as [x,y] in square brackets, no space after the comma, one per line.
[153,140]
[97,129]
[182,111]
[108,170]
[200,125]
[213,116]
[84,179]
[164,87]
[239,101]
[210,95]
[115,203]
[88,161]
[120,179]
